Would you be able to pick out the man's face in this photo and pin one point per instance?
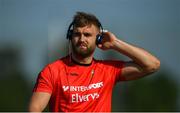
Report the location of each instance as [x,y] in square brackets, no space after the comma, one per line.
[84,40]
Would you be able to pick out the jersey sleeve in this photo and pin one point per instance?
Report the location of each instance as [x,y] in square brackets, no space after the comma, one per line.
[44,81]
[118,70]
[116,67]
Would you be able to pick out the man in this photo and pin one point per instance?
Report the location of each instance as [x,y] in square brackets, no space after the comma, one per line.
[78,82]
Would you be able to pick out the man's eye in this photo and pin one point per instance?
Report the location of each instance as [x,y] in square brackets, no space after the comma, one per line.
[76,34]
[87,34]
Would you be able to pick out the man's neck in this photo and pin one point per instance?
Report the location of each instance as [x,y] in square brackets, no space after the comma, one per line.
[81,60]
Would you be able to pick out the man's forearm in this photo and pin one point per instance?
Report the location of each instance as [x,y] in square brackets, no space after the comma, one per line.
[141,57]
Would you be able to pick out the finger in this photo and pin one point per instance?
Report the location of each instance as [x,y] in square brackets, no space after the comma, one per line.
[104,30]
[99,45]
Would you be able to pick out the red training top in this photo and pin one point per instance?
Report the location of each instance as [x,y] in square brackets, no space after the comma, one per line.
[79,88]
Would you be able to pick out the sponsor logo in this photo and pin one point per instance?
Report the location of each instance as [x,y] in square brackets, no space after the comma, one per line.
[78,97]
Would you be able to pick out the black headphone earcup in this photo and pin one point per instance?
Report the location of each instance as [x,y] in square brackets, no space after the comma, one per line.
[70,33]
[98,39]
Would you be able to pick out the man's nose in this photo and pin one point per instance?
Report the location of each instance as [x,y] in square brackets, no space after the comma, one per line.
[82,38]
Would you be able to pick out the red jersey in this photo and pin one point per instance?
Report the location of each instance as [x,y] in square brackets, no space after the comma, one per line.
[79,88]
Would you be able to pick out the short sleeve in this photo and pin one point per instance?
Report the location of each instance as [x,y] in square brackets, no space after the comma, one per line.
[44,81]
[116,67]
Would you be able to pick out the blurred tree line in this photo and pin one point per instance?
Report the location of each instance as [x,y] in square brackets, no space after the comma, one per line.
[14,89]
[146,94]
[159,94]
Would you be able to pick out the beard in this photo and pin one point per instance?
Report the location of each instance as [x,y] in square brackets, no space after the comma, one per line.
[78,51]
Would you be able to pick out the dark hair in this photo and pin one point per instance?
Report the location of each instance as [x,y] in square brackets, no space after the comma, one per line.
[82,19]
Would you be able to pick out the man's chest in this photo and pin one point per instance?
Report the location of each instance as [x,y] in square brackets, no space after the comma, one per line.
[85,85]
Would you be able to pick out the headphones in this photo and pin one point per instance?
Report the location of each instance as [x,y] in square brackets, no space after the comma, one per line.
[99,37]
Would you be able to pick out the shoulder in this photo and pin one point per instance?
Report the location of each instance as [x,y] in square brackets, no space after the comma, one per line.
[51,71]
[57,64]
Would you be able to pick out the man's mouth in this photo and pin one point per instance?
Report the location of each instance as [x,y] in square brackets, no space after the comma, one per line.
[82,46]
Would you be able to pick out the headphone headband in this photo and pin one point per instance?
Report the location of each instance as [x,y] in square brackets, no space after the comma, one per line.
[68,36]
